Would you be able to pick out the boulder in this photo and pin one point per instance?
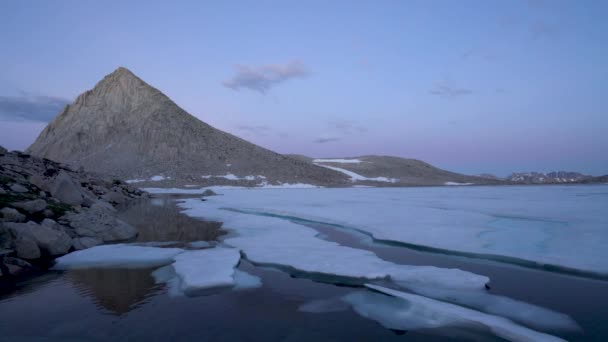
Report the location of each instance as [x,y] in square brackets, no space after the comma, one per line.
[16,266]
[49,236]
[209,192]
[2,191]
[85,242]
[16,187]
[114,197]
[101,223]
[33,206]
[65,189]
[3,151]
[11,215]
[27,248]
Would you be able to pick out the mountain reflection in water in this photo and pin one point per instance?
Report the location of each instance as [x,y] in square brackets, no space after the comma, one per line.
[159,220]
[116,290]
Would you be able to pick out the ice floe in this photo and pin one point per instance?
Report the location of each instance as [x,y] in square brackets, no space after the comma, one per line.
[206,269]
[406,311]
[119,256]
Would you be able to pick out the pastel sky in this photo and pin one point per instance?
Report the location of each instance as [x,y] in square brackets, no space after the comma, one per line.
[471,86]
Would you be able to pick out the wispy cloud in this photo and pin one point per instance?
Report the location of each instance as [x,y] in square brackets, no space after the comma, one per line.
[326,140]
[339,129]
[262,78]
[254,129]
[31,107]
[448,90]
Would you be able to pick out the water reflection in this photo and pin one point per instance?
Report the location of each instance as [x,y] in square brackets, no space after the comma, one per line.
[159,219]
[114,289]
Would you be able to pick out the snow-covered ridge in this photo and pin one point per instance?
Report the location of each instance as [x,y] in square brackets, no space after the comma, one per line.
[342,161]
[357,177]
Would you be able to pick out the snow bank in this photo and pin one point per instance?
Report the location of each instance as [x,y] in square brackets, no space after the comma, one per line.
[120,255]
[456,183]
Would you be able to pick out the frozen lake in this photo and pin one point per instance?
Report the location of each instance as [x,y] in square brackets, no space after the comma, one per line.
[413,261]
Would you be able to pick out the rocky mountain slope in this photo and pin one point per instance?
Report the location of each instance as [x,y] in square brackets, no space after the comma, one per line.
[395,171]
[556,177]
[125,127]
[48,209]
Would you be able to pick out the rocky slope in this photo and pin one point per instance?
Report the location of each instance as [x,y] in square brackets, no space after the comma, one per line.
[556,177]
[395,171]
[125,127]
[48,209]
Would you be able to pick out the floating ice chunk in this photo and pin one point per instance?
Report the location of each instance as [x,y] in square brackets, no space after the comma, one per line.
[206,269]
[244,280]
[409,311]
[342,161]
[120,255]
[531,315]
[357,177]
[456,183]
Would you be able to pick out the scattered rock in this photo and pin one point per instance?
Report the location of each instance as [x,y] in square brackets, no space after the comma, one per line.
[209,192]
[33,206]
[100,222]
[49,237]
[11,215]
[18,188]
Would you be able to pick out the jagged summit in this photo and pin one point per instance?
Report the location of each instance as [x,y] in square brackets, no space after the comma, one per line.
[125,127]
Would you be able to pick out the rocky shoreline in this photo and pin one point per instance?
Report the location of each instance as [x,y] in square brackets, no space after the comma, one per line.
[48,209]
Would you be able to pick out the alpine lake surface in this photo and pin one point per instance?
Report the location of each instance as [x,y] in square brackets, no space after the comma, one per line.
[543,248]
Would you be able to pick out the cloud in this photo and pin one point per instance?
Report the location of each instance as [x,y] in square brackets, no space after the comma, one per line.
[31,107]
[262,78]
[447,90]
[326,140]
[338,129]
[254,129]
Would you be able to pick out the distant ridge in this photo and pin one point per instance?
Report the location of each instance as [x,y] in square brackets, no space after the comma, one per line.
[127,128]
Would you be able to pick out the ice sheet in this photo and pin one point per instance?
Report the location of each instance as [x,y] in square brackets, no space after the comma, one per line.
[276,242]
[560,226]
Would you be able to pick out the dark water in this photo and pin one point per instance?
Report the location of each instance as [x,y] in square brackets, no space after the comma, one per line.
[127,305]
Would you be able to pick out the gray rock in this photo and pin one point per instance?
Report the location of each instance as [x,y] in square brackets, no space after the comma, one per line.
[66,190]
[16,266]
[11,215]
[16,187]
[2,191]
[33,206]
[49,237]
[209,192]
[101,223]
[85,242]
[27,248]
[114,197]
[3,150]
[48,213]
